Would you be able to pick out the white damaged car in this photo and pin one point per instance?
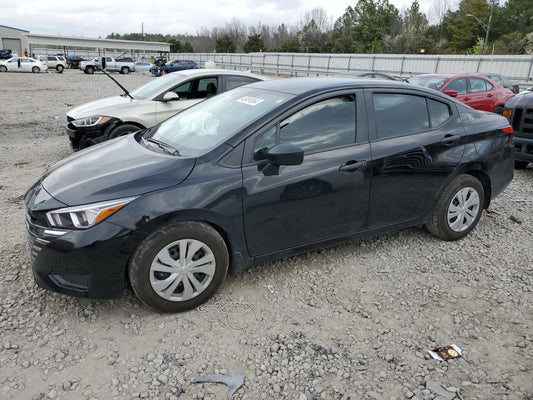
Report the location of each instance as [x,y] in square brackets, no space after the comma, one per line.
[148,105]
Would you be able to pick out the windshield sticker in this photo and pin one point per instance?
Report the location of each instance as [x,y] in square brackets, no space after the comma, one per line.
[251,101]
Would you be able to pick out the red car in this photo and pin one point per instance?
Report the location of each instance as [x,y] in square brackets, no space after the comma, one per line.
[478,92]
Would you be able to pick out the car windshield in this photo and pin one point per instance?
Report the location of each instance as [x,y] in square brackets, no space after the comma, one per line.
[153,88]
[431,82]
[199,129]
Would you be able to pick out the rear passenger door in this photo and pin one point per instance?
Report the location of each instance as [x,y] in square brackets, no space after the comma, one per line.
[417,142]
[480,94]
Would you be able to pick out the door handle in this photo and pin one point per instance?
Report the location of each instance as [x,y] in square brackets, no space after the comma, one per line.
[450,139]
[466,98]
[352,165]
[489,95]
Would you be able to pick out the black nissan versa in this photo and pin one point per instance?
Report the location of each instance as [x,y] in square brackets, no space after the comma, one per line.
[260,172]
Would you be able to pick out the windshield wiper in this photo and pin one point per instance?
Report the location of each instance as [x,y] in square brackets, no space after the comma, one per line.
[167,148]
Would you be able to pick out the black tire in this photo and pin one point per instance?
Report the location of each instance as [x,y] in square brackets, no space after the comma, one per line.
[60,68]
[3,68]
[498,110]
[89,70]
[521,164]
[35,70]
[123,130]
[439,224]
[167,241]
[125,70]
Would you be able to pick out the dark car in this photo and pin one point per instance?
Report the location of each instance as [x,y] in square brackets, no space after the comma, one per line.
[173,66]
[74,61]
[5,54]
[519,111]
[263,171]
[477,91]
[367,75]
[504,81]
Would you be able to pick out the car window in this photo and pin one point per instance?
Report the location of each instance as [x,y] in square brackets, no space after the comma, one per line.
[478,85]
[13,60]
[203,84]
[496,78]
[438,112]
[399,114]
[324,125]
[236,81]
[183,90]
[457,84]
[44,58]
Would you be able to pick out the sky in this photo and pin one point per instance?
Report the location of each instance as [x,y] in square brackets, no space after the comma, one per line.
[98,18]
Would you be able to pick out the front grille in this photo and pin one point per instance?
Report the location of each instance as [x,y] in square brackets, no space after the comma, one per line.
[37,219]
[523,122]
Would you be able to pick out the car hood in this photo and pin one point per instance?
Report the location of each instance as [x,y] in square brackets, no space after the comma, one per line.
[109,106]
[112,170]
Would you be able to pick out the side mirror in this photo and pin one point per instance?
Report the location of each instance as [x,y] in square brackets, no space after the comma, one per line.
[451,93]
[281,154]
[170,96]
[285,154]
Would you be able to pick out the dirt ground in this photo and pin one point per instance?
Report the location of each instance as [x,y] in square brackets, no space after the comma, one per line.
[350,322]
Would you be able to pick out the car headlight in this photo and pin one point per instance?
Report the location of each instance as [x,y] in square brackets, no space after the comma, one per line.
[90,121]
[85,216]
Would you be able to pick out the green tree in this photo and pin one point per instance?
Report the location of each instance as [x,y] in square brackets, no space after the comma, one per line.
[290,46]
[253,44]
[224,44]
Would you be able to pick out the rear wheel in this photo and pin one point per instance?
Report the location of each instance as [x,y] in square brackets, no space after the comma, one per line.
[521,164]
[179,267]
[35,70]
[459,209]
[123,130]
[3,68]
[125,70]
[59,68]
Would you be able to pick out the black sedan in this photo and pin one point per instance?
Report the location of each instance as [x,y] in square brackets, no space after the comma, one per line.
[260,172]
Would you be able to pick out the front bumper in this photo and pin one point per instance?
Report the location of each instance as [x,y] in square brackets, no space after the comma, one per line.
[523,149]
[81,138]
[82,263]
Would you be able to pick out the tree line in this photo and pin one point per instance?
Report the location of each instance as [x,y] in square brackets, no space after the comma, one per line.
[374,26]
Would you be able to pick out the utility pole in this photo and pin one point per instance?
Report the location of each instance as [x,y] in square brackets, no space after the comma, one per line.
[142,30]
[486,26]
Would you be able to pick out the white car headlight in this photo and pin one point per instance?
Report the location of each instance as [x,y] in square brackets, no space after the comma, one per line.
[85,216]
[90,121]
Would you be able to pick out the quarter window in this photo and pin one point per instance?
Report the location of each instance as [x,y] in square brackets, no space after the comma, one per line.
[400,114]
[438,113]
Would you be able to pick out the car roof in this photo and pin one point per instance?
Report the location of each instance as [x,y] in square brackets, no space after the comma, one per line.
[300,86]
[214,71]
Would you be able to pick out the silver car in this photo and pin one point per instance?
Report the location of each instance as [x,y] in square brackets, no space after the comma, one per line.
[149,105]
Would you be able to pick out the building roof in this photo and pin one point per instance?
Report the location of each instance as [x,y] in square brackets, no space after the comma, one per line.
[15,29]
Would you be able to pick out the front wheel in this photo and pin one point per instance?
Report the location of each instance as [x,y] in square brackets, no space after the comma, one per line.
[179,267]
[521,164]
[123,130]
[459,209]
[3,68]
[35,70]
[89,70]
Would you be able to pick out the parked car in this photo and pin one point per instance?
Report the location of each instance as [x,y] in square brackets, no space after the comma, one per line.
[59,63]
[519,111]
[5,54]
[22,64]
[148,105]
[504,81]
[74,61]
[478,92]
[143,66]
[369,74]
[267,170]
[122,65]
[173,66]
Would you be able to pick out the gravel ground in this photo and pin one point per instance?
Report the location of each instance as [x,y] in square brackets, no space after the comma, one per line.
[350,322]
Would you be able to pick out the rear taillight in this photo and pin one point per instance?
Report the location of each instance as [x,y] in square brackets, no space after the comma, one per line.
[510,131]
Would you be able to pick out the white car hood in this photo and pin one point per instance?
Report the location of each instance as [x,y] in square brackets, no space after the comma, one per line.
[110,106]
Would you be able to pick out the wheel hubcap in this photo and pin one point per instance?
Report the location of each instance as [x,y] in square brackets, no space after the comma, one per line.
[463,209]
[182,270]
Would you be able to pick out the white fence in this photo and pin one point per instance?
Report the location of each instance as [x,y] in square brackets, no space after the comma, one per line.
[518,68]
